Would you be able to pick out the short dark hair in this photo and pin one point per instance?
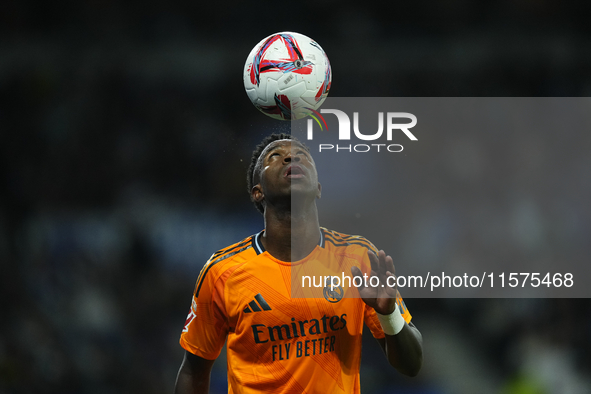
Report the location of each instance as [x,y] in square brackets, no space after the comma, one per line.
[253,171]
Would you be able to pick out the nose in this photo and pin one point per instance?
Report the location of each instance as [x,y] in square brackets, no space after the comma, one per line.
[288,158]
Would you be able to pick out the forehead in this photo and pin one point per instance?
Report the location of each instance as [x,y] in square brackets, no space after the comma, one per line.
[289,144]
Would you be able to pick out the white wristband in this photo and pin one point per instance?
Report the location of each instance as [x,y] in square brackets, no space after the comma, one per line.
[393,323]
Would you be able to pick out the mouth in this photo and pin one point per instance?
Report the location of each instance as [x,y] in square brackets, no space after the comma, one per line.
[294,171]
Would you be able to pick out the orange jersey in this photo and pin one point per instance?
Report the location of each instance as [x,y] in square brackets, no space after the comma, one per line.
[278,343]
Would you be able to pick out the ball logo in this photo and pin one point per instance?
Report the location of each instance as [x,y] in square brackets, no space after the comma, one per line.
[333,294]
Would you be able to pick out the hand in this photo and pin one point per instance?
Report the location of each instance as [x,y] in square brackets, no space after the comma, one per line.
[382,297]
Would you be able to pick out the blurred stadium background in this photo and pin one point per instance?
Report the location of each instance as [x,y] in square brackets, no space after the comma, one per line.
[125,137]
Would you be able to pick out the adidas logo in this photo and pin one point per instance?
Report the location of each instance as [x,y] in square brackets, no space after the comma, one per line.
[254,307]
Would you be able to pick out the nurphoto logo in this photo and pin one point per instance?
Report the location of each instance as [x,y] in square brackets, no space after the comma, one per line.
[393,124]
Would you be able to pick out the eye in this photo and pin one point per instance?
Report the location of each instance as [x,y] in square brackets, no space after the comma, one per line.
[272,155]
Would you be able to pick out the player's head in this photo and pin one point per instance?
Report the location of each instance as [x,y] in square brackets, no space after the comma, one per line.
[273,142]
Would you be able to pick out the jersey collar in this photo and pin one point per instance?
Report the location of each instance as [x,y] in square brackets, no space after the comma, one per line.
[257,244]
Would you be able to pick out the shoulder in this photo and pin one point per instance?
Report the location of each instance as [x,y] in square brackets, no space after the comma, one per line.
[234,251]
[338,239]
[224,261]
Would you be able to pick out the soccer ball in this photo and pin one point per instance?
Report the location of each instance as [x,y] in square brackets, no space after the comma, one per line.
[287,76]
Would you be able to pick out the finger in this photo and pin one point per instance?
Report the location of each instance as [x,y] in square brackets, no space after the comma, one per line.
[373,260]
[391,272]
[357,274]
[390,265]
[391,286]
[382,262]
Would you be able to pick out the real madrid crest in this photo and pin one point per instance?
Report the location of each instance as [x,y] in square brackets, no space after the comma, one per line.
[333,294]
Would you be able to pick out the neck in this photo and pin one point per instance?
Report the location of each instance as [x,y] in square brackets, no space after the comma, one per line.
[292,234]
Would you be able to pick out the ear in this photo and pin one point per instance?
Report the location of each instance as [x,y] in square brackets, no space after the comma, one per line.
[257,193]
[319,194]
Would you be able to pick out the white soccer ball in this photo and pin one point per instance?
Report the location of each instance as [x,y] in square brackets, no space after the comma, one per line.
[287,76]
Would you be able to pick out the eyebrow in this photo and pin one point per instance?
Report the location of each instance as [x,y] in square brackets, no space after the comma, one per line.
[273,148]
[302,148]
[298,146]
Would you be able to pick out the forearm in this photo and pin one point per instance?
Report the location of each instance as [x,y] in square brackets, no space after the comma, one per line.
[405,350]
[189,384]
[193,376]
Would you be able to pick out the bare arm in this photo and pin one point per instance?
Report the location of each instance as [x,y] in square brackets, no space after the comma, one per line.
[193,376]
[404,350]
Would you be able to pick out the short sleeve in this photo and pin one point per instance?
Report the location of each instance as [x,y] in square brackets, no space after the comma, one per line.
[372,322]
[206,327]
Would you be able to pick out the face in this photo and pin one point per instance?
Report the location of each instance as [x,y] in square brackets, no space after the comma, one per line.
[286,170]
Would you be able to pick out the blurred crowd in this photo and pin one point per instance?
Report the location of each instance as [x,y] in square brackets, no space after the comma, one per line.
[125,138]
